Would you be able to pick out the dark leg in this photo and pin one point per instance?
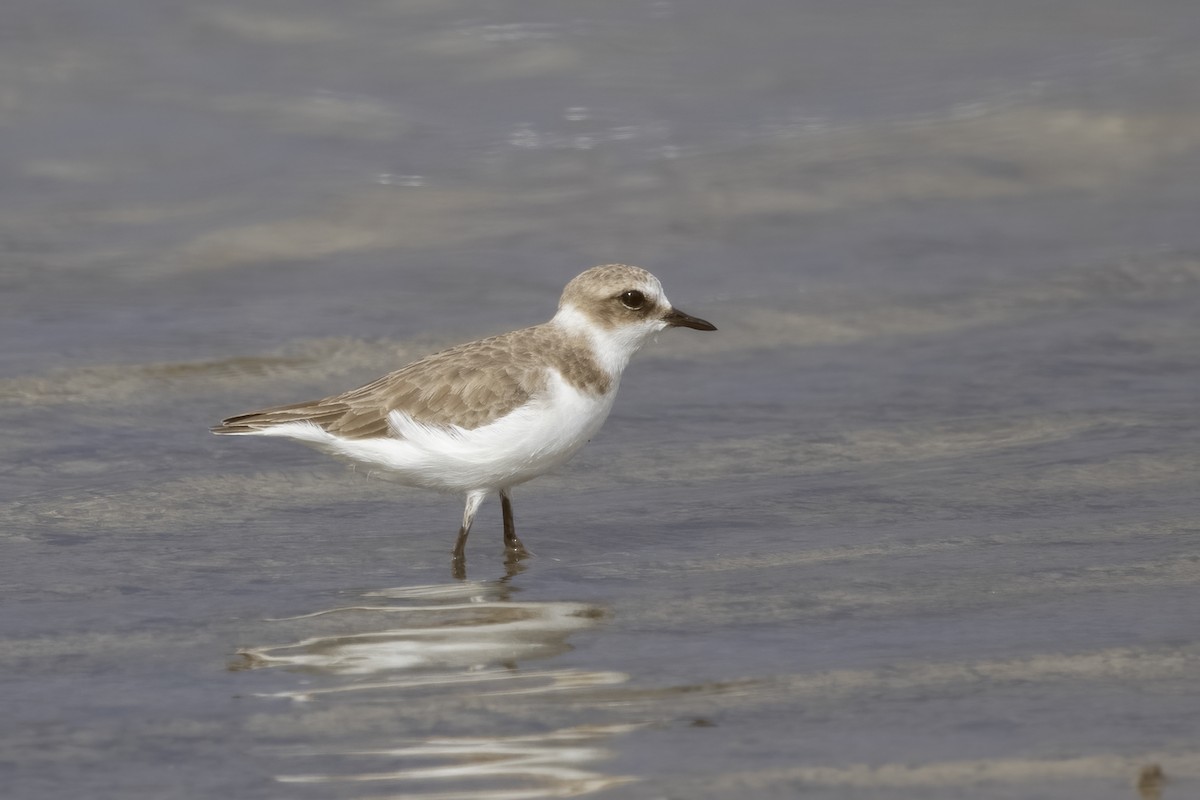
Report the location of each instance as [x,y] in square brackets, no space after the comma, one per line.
[460,544]
[458,565]
[511,543]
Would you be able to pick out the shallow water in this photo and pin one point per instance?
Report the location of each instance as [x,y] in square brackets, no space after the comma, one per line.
[920,521]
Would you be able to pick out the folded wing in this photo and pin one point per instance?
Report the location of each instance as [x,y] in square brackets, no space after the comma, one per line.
[466,387]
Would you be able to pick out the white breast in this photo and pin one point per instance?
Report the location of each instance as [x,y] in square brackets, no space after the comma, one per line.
[528,442]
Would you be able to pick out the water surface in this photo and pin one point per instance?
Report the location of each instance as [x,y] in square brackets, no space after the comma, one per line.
[920,521]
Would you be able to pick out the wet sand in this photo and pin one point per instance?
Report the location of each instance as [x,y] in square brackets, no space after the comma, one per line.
[920,521]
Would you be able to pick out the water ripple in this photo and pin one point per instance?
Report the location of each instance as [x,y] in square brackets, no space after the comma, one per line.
[466,640]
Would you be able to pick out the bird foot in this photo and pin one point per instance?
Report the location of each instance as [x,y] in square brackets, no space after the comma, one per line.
[513,548]
[458,563]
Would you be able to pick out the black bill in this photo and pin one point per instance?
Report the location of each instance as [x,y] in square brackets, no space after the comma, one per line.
[677,319]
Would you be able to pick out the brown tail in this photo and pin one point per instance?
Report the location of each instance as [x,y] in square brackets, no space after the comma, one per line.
[258,421]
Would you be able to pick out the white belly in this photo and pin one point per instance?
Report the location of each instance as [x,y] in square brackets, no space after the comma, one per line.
[518,447]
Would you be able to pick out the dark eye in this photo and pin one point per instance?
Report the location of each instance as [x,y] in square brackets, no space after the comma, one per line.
[633,299]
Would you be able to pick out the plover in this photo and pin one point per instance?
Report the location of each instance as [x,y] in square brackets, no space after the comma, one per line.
[488,415]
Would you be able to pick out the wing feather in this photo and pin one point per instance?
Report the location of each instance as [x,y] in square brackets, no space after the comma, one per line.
[466,387]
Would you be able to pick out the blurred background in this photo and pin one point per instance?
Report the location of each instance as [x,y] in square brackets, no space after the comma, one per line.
[920,520]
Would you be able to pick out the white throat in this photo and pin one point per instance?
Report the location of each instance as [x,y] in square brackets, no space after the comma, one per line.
[612,346]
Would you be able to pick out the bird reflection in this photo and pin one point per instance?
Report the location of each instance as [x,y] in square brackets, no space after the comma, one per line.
[513,565]
[554,761]
[471,641]
[446,627]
